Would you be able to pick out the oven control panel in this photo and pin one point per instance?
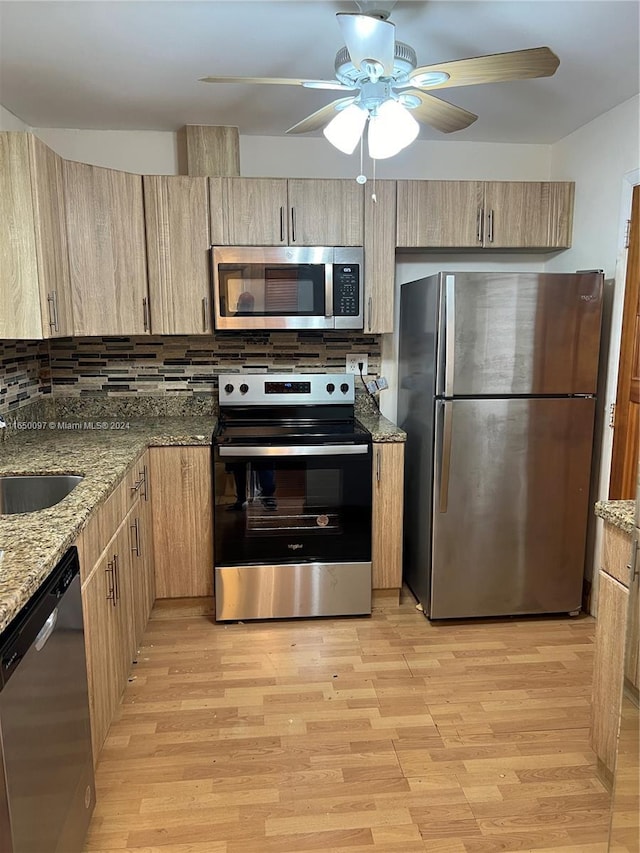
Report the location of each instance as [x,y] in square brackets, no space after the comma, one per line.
[271,389]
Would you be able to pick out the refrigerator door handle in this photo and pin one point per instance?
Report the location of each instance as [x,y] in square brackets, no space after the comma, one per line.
[443,441]
[450,335]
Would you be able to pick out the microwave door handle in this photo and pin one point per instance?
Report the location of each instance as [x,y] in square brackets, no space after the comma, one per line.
[297,450]
[328,290]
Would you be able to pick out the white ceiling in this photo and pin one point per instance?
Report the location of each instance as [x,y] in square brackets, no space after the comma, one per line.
[135,65]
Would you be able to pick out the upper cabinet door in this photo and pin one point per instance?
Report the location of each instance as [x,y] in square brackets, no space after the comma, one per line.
[51,240]
[177,227]
[34,278]
[19,288]
[445,214]
[325,212]
[107,253]
[256,211]
[380,258]
[528,214]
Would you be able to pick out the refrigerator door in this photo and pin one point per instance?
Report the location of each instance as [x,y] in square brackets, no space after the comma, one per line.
[510,506]
[419,307]
[519,333]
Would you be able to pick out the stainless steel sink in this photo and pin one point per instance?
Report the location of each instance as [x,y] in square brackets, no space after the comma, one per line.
[29,493]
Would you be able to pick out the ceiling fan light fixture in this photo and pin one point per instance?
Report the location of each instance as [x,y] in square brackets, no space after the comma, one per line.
[345,129]
[427,79]
[391,129]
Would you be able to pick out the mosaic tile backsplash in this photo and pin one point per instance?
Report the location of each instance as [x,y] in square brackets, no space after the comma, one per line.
[24,373]
[187,365]
[177,368]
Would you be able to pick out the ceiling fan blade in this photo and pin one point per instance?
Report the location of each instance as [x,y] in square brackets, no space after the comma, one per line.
[440,114]
[318,119]
[368,38]
[280,81]
[495,68]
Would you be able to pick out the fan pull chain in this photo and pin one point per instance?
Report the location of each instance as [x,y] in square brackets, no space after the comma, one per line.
[374,198]
[362,178]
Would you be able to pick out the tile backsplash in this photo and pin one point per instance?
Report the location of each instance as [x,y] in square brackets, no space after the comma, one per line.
[24,373]
[179,366]
[185,365]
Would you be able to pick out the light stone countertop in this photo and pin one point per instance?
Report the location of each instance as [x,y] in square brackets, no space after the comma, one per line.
[32,543]
[619,513]
[381,428]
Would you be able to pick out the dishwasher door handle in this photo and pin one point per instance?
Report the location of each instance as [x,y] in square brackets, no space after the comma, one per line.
[46,631]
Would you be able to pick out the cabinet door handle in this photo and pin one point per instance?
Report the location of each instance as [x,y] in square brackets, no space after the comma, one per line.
[205,313]
[111,588]
[378,466]
[281,224]
[145,482]
[479,224]
[145,313]
[116,575]
[52,300]
[135,549]
[491,226]
[370,312]
[293,225]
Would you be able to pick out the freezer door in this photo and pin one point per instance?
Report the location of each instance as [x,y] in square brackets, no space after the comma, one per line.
[510,508]
[519,333]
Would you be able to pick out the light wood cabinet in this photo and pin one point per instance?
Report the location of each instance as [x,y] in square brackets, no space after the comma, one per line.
[141,549]
[485,215]
[35,299]
[181,484]
[380,258]
[177,229]
[280,212]
[610,669]
[386,524]
[107,251]
[117,592]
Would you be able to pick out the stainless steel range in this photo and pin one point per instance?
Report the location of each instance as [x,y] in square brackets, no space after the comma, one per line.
[292,498]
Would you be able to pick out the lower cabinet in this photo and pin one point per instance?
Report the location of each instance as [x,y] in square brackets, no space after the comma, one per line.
[117,594]
[182,521]
[386,522]
[609,661]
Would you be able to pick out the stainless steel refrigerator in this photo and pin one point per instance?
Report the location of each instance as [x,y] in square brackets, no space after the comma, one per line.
[497,384]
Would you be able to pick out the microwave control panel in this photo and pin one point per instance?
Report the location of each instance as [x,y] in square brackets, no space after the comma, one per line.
[346,290]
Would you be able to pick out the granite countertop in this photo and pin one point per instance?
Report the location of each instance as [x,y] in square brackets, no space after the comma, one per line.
[380,427]
[32,543]
[619,513]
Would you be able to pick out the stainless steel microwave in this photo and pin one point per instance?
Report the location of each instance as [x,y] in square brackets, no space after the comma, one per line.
[288,287]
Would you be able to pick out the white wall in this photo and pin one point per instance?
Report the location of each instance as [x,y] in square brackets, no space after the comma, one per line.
[603,158]
[8,121]
[156,152]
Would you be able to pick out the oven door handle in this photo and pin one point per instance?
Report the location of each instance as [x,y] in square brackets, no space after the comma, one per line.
[297,450]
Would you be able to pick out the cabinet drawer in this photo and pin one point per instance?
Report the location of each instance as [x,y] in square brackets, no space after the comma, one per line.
[616,554]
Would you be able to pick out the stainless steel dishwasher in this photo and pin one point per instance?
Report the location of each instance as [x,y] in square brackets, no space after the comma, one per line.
[49,790]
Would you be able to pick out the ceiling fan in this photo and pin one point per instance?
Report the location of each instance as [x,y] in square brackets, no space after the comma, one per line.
[381,83]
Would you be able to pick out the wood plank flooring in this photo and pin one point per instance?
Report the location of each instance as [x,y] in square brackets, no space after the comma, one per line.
[353,735]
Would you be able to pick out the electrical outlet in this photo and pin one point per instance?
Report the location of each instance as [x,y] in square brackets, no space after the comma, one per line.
[353,361]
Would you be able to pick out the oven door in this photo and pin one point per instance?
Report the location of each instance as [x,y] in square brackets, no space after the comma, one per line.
[292,530]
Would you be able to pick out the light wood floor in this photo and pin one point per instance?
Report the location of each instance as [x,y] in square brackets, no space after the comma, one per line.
[356,735]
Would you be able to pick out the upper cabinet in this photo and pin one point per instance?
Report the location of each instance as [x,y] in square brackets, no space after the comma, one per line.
[487,215]
[379,257]
[281,212]
[34,270]
[177,228]
[107,252]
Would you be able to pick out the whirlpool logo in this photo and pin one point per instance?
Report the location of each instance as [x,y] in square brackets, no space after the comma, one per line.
[294,546]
